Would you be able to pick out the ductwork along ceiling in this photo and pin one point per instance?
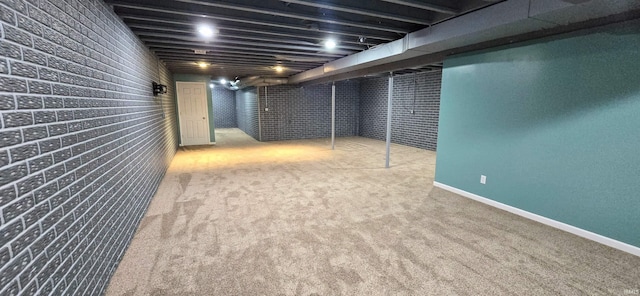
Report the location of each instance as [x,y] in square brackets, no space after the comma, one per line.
[288,40]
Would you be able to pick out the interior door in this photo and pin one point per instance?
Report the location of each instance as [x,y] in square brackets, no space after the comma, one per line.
[192,108]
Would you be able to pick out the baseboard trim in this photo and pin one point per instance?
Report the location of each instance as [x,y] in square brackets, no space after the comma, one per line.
[544,220]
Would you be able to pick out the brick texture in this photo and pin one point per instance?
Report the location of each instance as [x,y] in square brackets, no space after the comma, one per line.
[247,111]
[224,108]
[419,93]
[83,143]
[305,112]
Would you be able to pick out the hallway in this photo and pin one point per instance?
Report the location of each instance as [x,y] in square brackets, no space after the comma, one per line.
[296,218]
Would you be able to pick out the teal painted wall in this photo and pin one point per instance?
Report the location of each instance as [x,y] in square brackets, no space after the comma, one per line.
[553,124]
[197,78]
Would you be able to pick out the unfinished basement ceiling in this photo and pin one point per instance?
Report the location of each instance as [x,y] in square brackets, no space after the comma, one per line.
[253,37]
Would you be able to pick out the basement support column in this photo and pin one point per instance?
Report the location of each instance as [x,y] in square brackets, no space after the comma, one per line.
[389,113]
[333,116]
[259,116]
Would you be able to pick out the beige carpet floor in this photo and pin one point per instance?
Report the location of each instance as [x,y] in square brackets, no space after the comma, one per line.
[296,218]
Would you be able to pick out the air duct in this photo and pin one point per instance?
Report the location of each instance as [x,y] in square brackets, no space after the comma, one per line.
[501,20]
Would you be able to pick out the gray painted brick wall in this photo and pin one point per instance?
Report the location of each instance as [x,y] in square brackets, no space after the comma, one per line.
[83,144]
[247,111]
[224,108]
[419,93]
[305,112]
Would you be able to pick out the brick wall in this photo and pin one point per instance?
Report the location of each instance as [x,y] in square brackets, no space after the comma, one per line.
[224,108]
[419,93]
[305,112]
[83,144]
[247,111]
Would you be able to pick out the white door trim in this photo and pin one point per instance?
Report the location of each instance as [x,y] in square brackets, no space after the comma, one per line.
[181,118]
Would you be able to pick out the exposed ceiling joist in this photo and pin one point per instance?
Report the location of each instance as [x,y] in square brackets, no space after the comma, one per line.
[224,59]
[209,55]
[185,32]
[212,59]
[268,42]
[158,22]
[329,20]
[344,31]
[219,42]
[424,5]
[196,45]
[360,11]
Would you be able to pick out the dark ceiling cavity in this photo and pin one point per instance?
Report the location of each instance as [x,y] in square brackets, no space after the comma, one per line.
[254,37]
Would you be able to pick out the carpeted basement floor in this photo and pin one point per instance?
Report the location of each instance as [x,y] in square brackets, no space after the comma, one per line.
[296,218]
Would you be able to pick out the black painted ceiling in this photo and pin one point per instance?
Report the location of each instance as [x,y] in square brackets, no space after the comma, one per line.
[255,36]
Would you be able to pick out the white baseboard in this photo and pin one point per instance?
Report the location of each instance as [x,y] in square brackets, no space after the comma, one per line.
[544,220]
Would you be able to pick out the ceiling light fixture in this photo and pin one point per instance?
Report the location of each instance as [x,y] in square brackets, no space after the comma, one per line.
[203,65]
[278,69]
[205,31]
[330,44]
[223,81]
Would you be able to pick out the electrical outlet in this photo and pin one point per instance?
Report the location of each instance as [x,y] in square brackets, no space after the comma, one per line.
[266,109]
[483,179]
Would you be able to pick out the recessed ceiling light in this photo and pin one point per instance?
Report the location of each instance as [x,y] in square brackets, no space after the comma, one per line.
[203,65]
[330,44]
[278,69]
[205,31]
[223,81]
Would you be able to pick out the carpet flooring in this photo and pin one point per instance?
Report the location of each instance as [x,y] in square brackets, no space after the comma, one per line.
[297,218]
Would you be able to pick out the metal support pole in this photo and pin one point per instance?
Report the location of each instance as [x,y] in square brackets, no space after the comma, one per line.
[333,116]
[259,116]
[389,113]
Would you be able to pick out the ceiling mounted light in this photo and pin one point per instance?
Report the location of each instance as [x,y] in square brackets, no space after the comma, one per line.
[223,81]
[278,68]
[203,65]
[330,44]
[206,31]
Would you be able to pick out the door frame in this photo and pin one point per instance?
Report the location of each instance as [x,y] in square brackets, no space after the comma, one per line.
[206,103]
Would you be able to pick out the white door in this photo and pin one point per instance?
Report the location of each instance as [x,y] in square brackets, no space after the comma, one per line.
[194,118]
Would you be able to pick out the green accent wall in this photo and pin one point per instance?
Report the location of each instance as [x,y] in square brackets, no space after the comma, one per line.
[554,125]
[196,78]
